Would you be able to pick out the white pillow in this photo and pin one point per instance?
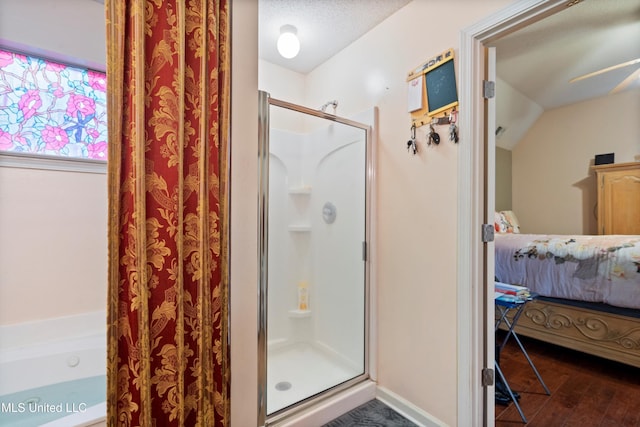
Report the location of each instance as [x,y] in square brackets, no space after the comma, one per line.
[506,222]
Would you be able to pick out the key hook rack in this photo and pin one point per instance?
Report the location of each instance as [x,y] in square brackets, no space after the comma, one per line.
[432,91]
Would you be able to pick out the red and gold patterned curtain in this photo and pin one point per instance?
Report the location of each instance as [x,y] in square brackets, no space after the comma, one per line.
[168,69]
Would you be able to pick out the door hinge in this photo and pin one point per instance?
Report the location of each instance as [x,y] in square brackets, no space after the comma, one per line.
[364,251]
[488,89]
[488,233]
[487,377]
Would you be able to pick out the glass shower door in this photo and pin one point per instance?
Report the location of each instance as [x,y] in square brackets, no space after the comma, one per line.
[315,285]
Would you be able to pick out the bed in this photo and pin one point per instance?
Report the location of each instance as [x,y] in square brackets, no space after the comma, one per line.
[588,287]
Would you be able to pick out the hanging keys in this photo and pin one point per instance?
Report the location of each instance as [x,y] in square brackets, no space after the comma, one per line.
[453,132]
[411,144]
[453,128]
[433,136]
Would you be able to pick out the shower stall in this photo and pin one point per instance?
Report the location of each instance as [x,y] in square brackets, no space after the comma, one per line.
[315,174]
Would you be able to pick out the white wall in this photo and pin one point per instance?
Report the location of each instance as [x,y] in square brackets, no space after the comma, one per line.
[515,113]
[53,250]
[281,83]
[54,245]
[503,179]
[554,188]
[417,198]
[66,30]
[244,214]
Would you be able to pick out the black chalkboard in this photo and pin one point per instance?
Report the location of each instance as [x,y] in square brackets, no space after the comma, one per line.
[441,88]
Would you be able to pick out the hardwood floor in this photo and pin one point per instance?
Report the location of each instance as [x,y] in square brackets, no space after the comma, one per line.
[585,390]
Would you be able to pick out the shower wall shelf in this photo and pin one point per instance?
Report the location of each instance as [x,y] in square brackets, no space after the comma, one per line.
[299,313]
[300,228]
[300,190]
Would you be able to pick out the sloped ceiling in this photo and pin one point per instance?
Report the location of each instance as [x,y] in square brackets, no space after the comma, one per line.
[535,64]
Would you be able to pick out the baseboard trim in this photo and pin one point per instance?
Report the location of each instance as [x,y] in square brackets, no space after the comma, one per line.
[407,409]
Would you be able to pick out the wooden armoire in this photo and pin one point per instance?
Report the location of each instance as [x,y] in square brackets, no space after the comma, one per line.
[618,198]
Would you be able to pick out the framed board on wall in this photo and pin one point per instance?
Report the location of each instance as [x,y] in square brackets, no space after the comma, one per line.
[442,93]
[439,91]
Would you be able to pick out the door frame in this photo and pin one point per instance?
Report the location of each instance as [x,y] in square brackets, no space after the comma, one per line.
[475,330]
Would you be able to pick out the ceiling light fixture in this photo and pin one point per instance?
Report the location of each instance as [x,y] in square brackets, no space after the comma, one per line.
[288,43]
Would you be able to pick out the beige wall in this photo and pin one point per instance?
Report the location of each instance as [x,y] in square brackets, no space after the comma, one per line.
[53,224]
[417,198]
[66,30]
[244,214]
[554,189]
[281,83]
[53,250]
[503,179]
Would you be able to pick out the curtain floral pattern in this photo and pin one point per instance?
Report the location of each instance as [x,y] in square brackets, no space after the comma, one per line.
[168,102]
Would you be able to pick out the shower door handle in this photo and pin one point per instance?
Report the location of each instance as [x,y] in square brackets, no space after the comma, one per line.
[364,251]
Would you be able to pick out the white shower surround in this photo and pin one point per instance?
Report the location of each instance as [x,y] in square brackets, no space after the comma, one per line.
[308,169]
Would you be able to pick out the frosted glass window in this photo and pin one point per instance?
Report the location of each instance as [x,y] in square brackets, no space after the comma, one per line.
[52,109]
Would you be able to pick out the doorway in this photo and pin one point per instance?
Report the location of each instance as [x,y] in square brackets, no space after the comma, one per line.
[476,175]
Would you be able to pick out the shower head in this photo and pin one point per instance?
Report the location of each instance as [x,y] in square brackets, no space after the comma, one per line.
[333,103]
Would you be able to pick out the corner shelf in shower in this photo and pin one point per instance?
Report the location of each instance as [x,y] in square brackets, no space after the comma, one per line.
[299,313]
[300,190]
[300,228]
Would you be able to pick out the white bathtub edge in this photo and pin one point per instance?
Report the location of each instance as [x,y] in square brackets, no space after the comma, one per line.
[93,414]
[39,353]
[20,335]
[40,350]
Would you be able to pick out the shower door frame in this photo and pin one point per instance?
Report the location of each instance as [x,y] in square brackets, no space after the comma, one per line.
[265,102]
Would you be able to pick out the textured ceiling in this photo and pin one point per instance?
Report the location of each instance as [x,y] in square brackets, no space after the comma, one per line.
[325,27]
[536,62]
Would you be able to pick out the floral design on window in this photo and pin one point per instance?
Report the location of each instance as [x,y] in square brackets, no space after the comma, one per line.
[50,108]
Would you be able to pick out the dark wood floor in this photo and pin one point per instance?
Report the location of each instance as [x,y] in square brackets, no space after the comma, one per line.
[585,390]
